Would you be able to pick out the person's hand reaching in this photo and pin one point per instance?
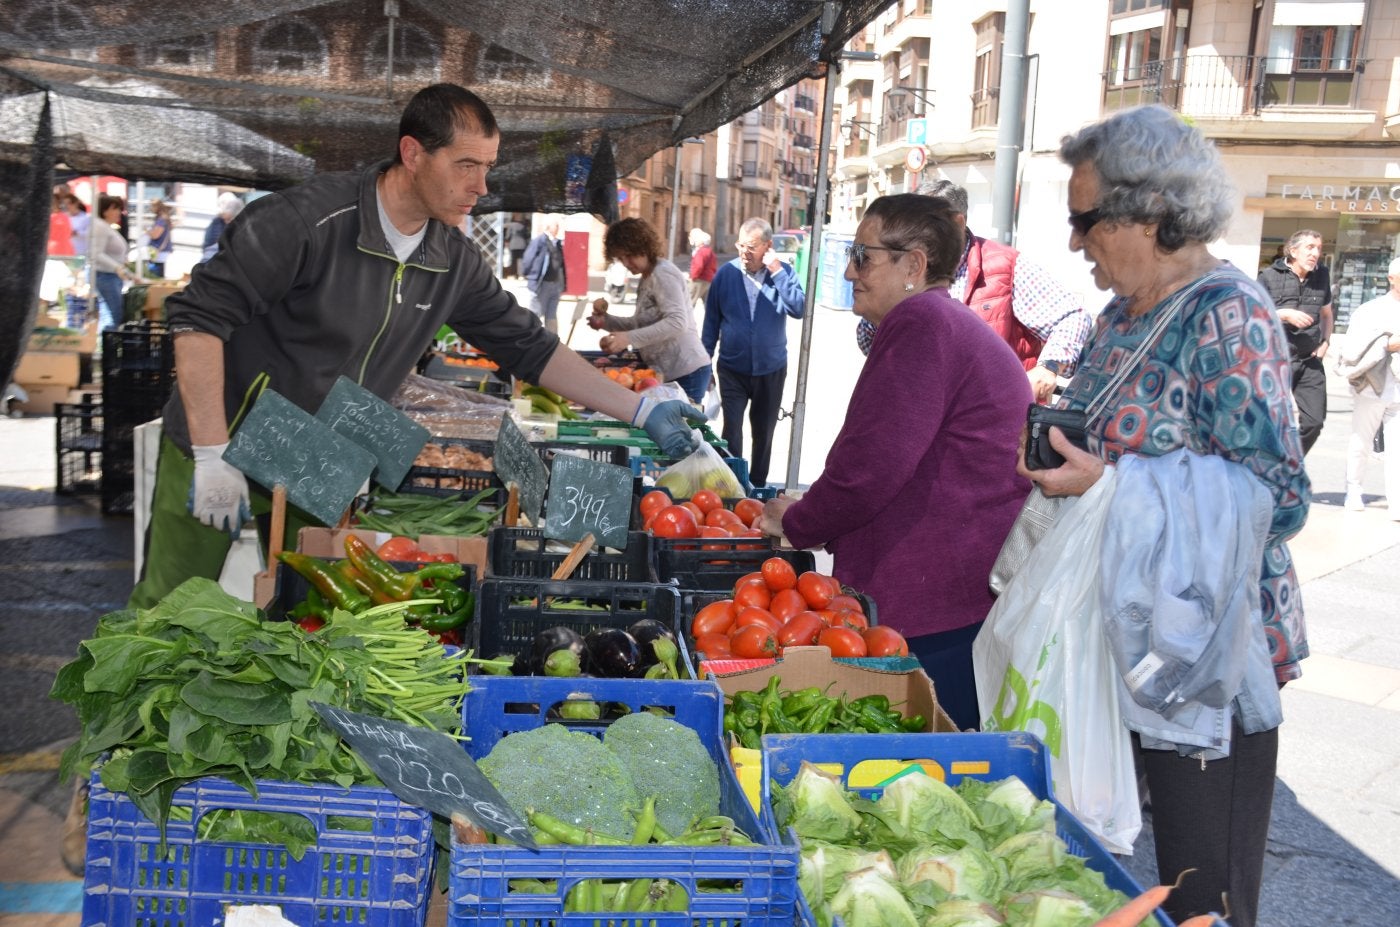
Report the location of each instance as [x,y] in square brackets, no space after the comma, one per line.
[669,424]
[219,491]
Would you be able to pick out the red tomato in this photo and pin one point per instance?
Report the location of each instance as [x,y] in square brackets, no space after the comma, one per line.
[845,618]
[754,577]
[753,594]
[778,574]
[311,623]
[753,642]
[801,630]
[694,510]
[842,642]
[840,601]
[707,500]
[748,510]
[753,615]
[816,588]
[737,531]
[786,603]
[445,557]
[674,521]
[714,646]
[722,518]
[399,548]
[882,641]
[715,618]
[707,532]
[653,502]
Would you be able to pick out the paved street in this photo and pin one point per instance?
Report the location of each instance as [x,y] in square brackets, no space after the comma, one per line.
[1334,857]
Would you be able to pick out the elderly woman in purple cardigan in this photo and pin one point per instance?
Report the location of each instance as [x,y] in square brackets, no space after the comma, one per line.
[920,487]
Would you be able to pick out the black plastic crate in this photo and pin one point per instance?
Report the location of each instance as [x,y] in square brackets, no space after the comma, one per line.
[137,346]
[525,553]
[510,612]
[78,472]
[717,563]
[78,427]
[445,481]
[477,379]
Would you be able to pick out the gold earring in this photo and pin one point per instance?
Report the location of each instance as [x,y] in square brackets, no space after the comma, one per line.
[908,287]
[1147,232]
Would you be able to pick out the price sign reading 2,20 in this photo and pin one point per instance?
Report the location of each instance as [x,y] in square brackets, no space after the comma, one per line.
[588,497]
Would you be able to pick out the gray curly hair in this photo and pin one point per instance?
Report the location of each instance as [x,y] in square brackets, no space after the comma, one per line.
[1155,169]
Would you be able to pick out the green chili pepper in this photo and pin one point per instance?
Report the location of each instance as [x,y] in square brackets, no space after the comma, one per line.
[744,700]
[879,702]
[820,718]
[913,724]
[328,581]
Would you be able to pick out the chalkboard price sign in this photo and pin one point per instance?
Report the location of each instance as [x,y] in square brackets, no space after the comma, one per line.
[392,437]
[280,444]
[517,462]
[428,769]
[588,497]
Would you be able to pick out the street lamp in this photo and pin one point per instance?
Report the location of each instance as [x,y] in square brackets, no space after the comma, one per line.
[922,93]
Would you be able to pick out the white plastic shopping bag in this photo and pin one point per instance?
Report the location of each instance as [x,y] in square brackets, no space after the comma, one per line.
[1043,665]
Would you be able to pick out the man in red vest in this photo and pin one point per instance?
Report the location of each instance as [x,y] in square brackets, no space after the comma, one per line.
[1044,324]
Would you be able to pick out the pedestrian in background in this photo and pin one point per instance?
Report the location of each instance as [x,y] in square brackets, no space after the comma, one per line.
[702,265]
[516,240]
[158,234]
[1372,343]
[80,222]
[1041,320]
[1302,293]
[109,253]
[662,328]
[229,208]
[746,313]
[543,266]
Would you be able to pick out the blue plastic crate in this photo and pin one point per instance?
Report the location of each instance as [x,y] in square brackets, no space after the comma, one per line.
[479,891]
[948,757]
[371,864]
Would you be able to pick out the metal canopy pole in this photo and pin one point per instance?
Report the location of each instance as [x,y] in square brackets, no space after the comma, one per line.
[1011,131]
[675,204]
[799,403]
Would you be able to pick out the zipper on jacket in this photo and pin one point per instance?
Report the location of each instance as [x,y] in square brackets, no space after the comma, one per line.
[395,298]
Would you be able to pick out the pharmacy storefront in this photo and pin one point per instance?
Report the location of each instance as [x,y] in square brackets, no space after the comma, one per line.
[1360,226]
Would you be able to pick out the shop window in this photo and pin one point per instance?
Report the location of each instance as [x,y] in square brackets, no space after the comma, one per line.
[986,75]
[1131,54]
[290,46]
[415,54]
[1125,7]
[191,51]
[1311,65]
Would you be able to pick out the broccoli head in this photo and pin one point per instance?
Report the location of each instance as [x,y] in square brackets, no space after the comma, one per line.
[667,760]
[568,774]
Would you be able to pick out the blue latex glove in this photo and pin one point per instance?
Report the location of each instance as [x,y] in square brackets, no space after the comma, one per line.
[669,425]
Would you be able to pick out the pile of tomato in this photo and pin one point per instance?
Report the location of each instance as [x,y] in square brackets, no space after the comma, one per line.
[703,515]
[774,607]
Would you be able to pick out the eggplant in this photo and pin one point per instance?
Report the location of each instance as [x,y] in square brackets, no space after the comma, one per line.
[548,641]
[611,652]
[658,645]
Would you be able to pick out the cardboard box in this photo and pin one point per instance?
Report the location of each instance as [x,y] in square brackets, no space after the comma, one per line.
[156,294]
[45,369]
[330,544]
[910,692]
[42,399]
[63,340]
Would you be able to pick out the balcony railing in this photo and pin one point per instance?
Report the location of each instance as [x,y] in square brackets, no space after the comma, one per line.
[752,170]
[1228,85]
[803,141]
[698,183]
[804,102]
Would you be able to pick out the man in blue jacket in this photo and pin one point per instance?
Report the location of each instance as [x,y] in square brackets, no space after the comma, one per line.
[746,313]
[543,266]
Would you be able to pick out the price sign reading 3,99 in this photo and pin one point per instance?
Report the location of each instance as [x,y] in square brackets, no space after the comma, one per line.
[588,497]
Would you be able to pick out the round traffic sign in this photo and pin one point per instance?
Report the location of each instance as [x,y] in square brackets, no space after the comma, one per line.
[622,195]
[916,159]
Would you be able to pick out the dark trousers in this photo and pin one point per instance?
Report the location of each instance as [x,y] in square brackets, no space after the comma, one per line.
[763,395]
[947,658]
[1310,396]
[1213,819]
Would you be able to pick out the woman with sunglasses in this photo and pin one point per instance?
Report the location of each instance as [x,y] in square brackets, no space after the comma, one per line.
[920,487]
[1147,194]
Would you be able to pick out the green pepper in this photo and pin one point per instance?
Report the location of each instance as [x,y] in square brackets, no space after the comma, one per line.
[801,701]
[384,577]
[879,702]
[444,621]
[336,589]
[820,718]
[750,717]
[913,724]
[770,705]
[742,700]
[875,721]
[731,721]
[748,737]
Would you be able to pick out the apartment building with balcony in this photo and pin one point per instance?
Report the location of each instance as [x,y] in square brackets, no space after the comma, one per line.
[1302,97]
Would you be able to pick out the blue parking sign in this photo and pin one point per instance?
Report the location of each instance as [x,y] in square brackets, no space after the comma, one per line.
[916,132]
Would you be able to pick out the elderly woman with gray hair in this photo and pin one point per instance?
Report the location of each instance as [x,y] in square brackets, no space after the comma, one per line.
[1147,193]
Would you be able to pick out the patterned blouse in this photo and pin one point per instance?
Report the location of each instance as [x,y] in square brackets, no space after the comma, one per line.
[1217,382]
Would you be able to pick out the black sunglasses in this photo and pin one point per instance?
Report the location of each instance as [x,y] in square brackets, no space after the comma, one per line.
[1081,222]
[856,254]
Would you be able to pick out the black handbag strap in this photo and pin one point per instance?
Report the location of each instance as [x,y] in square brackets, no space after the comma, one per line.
[1159,325]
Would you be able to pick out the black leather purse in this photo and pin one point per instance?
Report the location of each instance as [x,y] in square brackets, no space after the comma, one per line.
[1039,419]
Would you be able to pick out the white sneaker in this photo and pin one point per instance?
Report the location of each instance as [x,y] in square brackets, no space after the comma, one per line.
[1354,502]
